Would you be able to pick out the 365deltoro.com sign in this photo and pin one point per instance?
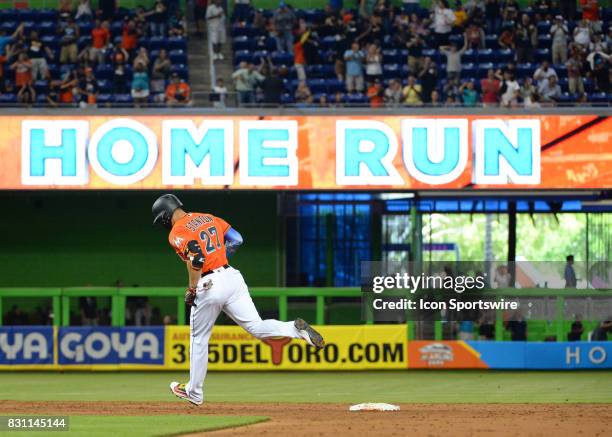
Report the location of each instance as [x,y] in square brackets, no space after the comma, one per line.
[305,152]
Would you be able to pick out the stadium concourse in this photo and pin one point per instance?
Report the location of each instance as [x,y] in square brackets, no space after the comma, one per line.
[484,52]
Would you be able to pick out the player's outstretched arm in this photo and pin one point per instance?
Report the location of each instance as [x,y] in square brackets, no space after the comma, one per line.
[233,239]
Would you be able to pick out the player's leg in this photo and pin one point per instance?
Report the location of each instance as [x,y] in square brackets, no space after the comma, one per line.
[241,309]
[203,316]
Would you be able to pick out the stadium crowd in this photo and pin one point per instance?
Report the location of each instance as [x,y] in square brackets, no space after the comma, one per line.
[483,52]
[78,56]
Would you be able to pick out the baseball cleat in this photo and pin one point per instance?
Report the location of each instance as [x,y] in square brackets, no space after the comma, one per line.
[309,334]
[179,391]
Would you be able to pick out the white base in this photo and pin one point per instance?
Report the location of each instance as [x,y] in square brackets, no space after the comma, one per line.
[374,406]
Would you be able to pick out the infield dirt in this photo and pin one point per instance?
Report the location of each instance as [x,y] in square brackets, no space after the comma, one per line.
[309,419]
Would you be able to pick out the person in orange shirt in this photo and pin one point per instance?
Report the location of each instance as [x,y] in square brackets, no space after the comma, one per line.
[100,38]
[177,92]
[129,36]
[204,243]
[299,59]
[375,94]
[590,10]
[23,70]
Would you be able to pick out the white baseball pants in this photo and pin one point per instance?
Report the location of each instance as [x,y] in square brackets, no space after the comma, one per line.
[230,294]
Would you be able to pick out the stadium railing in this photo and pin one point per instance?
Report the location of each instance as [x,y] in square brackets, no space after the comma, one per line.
[61,302]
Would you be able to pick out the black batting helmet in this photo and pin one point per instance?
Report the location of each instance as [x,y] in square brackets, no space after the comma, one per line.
[163,208]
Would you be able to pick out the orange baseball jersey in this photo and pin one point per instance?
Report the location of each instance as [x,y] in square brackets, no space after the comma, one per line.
[208,231]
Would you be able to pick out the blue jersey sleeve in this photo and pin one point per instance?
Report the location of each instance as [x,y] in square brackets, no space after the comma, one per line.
[233,239]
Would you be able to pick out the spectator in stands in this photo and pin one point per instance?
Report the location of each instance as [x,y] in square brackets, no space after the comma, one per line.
[160,74]
[68,85]
[575,82]
[490,89]
[600,333]
[486,326]
[88,89]
[526,40]
[23,70]
[178,92]
[129,36]
[53,96]
[543,74]
[142,57]
[469,95]
[582,34]
[529,94]
[273,86]
[88,56]
[37,52]
[434,99]
[299,59]
[559,34]
[543,10]
[510,11]
[89,311]
[354,58]
[15,317]
[246,77]
[428,78]
[443,20]
[415,48]
[461,16]
[412,93]
[493,16]
[570,275]
[119,59]
[509,91]
[83,12]
[215,20]
[453,58]
[177,25]
[551,91]
[373,63]
[157,18]
[393,93]
[600,67]
[475,36]
[375,93]
[576,330]
[590,10]
[219,94]
[100,39]
[507,40]
[69,34]
[140,85]
[26,94]
[517,326]
[283,21]
[302,93]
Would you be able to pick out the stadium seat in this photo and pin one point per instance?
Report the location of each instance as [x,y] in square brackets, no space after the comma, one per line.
[544,41]
[287,99]
[181,70]
[176,43]
[503,56]
[335,85]
[469,56]
[469,71]
[357,99]
[485,55]
[242,43]
[598,98]
[491,41]
[104,98]
[317,86]
[46,28]
[8,98]
[281,58]
[391,71]
[542,55]
[243,56]
[543,27]
[41,86]
[122,99]
[158,42]
[526,69]
[178,57]
[104,71]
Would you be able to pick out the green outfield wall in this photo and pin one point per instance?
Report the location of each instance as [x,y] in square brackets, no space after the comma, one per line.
[75,239]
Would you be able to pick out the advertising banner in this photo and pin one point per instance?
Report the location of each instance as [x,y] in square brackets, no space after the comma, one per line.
[110,346]
[25,345]
[509,355]
[348,348]
[305,152]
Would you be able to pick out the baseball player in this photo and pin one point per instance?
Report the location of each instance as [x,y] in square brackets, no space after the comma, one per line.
[204,243]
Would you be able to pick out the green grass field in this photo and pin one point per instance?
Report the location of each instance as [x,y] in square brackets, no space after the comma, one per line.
[349,387]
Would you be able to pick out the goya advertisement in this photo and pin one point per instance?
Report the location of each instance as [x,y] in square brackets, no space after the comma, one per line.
[359,347]
[305,152]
